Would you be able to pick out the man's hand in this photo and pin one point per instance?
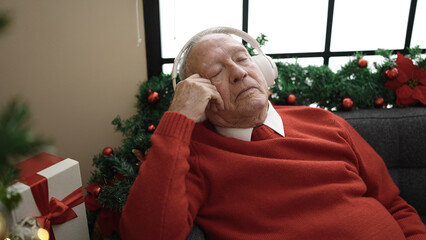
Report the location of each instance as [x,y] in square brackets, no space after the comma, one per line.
[193,96]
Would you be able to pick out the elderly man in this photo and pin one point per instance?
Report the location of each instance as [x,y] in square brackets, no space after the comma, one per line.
[255,171]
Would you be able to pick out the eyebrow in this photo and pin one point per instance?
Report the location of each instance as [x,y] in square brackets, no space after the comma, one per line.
[240,48]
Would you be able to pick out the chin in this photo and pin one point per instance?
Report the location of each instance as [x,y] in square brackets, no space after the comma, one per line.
[254,110]
[254,104]
[247,113]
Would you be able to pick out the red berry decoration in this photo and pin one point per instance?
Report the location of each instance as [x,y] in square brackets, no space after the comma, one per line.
[107,151]
[392,73]
[347,104]
[362,63]
[291,99]
[379,103]
[151,128]
[153,97]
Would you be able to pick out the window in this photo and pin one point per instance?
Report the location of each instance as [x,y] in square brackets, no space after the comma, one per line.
[419,33]
[182,19]
[369,25]
[311,32]
[290,26]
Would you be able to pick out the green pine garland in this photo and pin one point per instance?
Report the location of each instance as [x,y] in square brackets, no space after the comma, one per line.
[321,86]
[312,84]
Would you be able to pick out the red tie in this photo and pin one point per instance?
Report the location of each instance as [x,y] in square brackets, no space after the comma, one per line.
[262,132]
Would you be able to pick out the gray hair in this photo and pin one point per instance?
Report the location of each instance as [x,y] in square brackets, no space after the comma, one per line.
[184,66]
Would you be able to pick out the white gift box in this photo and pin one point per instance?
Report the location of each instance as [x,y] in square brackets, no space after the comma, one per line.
[63,178]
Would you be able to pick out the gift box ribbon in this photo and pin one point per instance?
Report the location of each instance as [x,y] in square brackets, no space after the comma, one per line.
[54,211]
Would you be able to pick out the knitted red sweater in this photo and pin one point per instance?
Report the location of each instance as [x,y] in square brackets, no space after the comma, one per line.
[321,181]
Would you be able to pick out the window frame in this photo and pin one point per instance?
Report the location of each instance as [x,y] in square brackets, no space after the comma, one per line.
[155,60]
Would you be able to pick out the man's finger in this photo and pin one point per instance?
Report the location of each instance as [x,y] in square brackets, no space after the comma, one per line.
[212,106]
[217,100]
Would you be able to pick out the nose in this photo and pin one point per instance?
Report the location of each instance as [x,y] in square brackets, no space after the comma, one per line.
[237,73]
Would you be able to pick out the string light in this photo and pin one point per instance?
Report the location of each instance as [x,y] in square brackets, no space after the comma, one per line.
[43,234]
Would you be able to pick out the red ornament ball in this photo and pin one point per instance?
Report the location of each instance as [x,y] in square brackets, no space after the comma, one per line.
[108,151]
[347,104]
[96,191]
[362,63]
[153,97]
[379,103]
[392,73]
[151,128]
[291,99]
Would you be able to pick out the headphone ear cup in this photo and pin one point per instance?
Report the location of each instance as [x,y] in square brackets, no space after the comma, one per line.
[268,68]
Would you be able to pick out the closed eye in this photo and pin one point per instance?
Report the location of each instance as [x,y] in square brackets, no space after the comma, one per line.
[216,74]
[242,59]
[241,56]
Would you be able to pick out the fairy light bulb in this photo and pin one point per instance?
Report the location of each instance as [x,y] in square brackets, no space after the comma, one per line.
[43,234]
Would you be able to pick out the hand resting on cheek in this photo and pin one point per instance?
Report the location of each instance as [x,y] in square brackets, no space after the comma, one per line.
[193,96]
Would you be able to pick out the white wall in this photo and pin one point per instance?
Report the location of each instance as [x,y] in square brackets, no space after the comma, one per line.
[77,64]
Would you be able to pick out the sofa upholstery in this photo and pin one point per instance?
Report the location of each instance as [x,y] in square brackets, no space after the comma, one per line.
[399,136]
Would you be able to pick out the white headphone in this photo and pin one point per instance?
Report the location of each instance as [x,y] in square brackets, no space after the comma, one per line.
[265,63]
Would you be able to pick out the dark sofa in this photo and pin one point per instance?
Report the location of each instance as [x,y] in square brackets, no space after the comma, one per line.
[399,136]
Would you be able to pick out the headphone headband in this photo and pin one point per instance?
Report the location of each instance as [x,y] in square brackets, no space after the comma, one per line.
[226,30]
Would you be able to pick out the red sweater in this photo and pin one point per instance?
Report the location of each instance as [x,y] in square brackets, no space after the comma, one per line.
[321,181]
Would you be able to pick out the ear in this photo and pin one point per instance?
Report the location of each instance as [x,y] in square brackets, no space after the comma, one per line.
[268,68]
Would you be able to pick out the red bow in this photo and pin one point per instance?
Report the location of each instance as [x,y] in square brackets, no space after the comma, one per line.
[54,211]
[108,220]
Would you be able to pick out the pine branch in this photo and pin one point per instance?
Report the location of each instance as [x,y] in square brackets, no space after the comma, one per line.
[16,139]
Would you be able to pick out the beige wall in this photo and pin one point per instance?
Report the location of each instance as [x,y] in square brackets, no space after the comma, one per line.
[77,64]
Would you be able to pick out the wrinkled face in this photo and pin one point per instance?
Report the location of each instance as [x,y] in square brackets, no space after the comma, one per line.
[238,79]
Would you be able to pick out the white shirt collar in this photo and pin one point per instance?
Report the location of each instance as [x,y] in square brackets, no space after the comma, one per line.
[273,120]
